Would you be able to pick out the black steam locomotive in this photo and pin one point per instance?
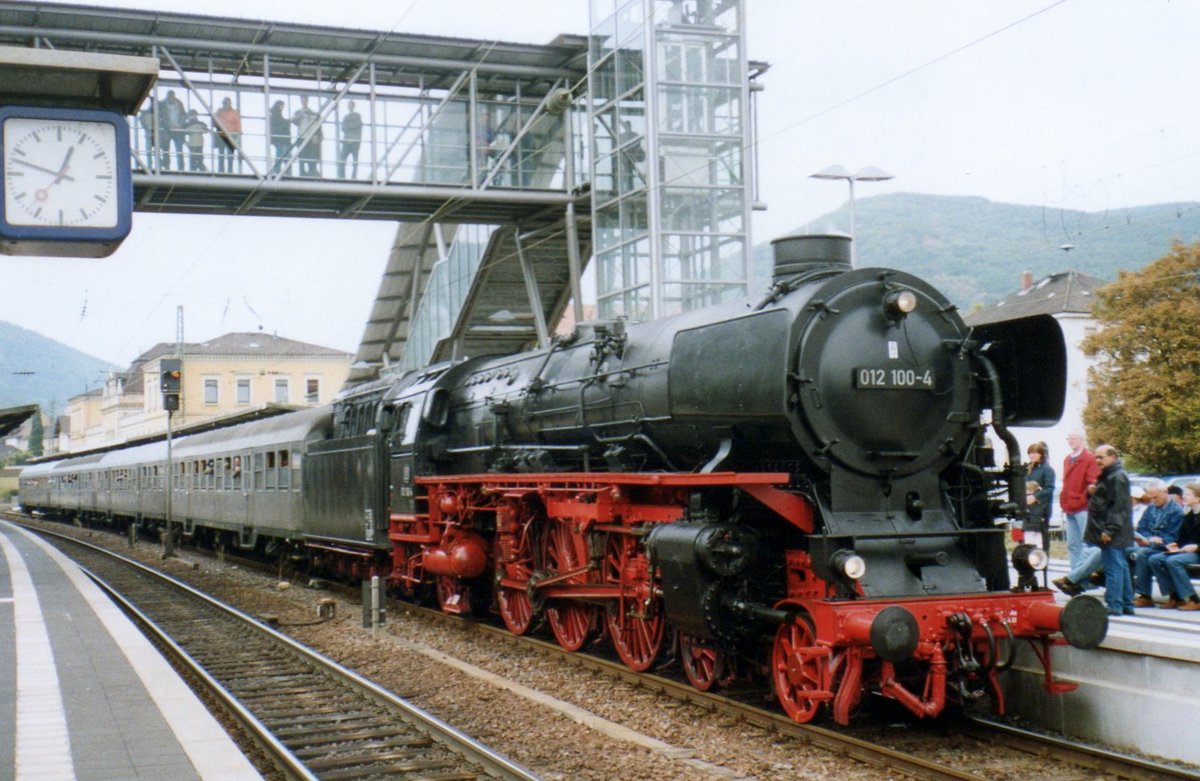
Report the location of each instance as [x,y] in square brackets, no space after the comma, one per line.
[800,487]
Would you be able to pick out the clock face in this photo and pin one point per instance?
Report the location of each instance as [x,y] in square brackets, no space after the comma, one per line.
[60,172]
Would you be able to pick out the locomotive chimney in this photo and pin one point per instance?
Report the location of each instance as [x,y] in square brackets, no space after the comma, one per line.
[1026,280]
[797,254]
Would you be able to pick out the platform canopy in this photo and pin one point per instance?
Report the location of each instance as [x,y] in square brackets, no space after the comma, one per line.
[48,77]
[12,417]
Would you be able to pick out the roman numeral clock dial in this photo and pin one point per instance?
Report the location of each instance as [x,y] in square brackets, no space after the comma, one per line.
[60,173]
[67,183]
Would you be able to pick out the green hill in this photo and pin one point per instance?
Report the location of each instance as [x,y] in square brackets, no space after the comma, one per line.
[974,249]
[37,370]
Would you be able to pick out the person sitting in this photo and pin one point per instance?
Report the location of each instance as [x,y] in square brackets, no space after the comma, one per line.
[1158,527]
[1170,566]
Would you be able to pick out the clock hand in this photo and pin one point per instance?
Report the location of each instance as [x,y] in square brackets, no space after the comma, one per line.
[36,167]
[62,170]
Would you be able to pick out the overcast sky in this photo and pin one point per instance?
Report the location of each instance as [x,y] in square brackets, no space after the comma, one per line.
[1077,104]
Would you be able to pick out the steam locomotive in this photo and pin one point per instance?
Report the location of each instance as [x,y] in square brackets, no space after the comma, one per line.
[800,487]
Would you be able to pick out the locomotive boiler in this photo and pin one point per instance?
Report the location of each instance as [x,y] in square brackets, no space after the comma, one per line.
[798,487]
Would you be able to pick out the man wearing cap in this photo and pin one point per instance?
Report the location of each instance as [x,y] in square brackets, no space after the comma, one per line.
[1079,471]
[1157,528]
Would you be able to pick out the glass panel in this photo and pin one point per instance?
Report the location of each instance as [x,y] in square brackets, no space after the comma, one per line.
[604,131]
[630,20]
[610,270]
[702,257]
[601,9]
[608,225]
[637,262]
[633,215]
[699,110]
[698,210]
[630,67]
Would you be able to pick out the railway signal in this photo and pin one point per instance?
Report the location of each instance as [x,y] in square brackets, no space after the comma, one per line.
[171,370]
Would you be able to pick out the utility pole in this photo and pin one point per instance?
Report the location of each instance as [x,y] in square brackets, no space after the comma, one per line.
[171,375]
[171,382]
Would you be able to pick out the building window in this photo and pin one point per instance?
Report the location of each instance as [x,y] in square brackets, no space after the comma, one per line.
[281,391]
[312,390]
[210,390]
[243,390]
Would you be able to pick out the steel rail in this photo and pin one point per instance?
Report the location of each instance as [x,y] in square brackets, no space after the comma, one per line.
[1035,743]
[1100,759]
[493,762]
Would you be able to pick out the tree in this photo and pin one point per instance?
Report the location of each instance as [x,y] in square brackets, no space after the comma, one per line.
[36,435]
[1145,393]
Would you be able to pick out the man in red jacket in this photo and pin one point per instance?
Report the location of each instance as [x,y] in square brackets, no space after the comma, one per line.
[1079,471]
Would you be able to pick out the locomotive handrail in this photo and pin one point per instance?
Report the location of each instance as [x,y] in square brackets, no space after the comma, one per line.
[914,535]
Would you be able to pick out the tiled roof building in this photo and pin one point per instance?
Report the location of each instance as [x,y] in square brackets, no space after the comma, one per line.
[231,374]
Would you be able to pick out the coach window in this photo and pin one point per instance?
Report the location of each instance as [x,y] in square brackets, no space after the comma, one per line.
[258,472]
[285,472]
[237,473]
[210,390]
[243,390]
[312,390]
[272,471]
[281,391]
[295,470]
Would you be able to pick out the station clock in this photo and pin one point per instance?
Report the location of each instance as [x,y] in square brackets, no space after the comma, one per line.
[67,188]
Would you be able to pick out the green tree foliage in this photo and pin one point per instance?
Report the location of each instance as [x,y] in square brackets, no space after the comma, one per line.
[1145,397]
[36,434]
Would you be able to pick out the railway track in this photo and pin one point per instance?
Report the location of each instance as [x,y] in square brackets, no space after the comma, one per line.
[314,718]
[1024,748]
[912,752]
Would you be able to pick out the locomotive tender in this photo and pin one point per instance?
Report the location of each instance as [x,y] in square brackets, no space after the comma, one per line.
[800,487]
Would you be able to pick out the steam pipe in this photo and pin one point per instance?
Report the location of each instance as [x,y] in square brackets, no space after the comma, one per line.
[1016,469]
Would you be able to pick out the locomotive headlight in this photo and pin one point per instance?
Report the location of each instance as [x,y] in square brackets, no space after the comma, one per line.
[1027,559]
[899,303]
[849,564]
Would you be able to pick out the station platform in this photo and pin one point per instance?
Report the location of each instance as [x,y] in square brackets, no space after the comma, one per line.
[83,694]
[1139,691]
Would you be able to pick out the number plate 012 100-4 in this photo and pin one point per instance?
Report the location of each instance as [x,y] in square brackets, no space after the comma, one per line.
[893,378]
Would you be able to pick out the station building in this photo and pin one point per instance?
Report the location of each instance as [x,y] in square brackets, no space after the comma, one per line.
[227,376]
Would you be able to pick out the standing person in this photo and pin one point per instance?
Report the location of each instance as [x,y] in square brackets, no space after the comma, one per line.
[196,130]
[154,140]
[1110,528]
[308,135]
[1080,470]
[352,127]
[1170,566]
[1039,501]
[281,137]
[172,117]
[229,131]
[1157,528]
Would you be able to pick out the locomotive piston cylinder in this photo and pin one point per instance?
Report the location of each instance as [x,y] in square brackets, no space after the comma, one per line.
[465,556]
